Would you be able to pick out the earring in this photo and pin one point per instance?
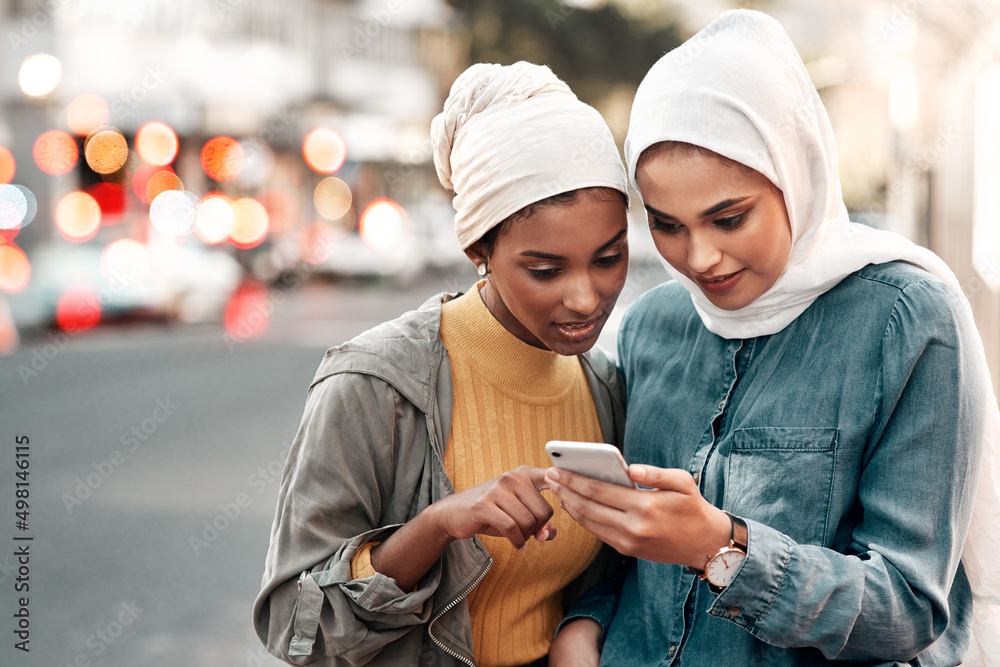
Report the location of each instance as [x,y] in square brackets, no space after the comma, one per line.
[481,269]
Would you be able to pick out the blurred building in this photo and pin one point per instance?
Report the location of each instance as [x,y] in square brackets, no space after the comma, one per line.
[264,73]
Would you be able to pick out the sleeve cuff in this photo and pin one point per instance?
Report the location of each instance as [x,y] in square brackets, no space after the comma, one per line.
[361,563]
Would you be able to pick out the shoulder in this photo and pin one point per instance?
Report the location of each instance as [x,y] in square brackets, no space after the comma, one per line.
[916,305]
[906,286]
[405,352]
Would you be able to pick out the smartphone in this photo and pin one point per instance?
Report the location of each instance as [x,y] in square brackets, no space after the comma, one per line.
[592,459]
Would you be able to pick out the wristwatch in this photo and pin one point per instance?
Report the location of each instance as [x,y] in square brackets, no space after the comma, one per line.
[722,566]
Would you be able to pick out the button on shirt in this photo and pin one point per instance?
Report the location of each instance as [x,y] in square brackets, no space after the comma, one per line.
[845,442]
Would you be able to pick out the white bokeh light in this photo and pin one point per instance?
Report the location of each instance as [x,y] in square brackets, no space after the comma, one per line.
[39,74]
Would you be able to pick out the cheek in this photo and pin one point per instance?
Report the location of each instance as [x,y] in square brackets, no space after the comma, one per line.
[670,249]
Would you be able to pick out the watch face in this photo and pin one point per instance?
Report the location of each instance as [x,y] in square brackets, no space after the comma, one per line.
[723,567]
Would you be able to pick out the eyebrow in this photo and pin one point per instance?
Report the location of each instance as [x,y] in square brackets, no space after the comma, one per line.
[544,255]
[711,210]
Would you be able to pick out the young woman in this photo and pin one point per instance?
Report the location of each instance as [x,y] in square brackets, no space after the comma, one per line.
[808,399]
[411,528]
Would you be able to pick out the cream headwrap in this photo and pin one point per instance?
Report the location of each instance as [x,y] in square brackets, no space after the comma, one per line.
[740,89]
[512,135]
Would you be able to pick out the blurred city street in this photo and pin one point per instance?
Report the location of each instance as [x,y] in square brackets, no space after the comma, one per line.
[155,458]
[199,197]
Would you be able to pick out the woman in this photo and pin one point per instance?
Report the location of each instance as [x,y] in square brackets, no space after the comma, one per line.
[411,495]
[808,399]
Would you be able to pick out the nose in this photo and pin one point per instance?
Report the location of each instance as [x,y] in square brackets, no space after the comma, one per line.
[581,295]
[702,252]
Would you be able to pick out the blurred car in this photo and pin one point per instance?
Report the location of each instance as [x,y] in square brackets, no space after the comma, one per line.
[187,282]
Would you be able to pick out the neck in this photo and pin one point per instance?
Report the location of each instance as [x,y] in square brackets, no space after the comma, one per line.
[498,308]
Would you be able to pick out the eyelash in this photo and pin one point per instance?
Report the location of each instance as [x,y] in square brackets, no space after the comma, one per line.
[602,262]
[728,224]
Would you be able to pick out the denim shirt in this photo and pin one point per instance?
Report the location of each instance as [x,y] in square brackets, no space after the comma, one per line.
[846,442]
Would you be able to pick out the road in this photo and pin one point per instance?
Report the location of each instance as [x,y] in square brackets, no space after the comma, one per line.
[154,460]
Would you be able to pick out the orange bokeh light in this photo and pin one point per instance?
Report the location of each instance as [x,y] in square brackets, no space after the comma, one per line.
[156,143]
[251,223]
[324,150]
[222,158]
[7,166]
[214,218]
[55,152]
[106,151]
[382,223]
[87,113]
[78,216]
[332,198]
[78,309]
[160,182]
[15,269]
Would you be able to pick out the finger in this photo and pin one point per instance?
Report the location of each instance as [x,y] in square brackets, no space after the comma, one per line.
[506,526]
[536,476]
[664,479]
[604,493]
[602,520]
[548,532]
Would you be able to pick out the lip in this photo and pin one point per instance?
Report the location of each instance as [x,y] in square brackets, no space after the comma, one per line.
[575,332]
[720,284]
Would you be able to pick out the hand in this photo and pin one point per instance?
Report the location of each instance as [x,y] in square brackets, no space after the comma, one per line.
[576,645]
[509,505]
[671,523]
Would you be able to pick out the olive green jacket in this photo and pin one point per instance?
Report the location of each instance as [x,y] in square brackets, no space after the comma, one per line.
[368,456]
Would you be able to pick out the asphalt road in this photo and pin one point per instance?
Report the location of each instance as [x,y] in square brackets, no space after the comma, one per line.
[154,454]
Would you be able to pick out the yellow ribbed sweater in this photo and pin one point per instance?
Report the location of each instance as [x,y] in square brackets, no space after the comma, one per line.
[510,399]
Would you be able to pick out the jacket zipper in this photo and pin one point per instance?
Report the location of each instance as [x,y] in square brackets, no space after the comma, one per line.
[449,606]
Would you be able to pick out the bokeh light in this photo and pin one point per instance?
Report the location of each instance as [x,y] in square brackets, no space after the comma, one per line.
[125,258]
[247,313]
[111,199]
[214,218]
[78,310]
[172,212]
[31,204]
[332,198]
[78,216]
[15,269]
[106,151]
[162,181]
[156,143]
[13,207]
[86,113]
[316,242]
[222,158]
[55,152]
[324,150]
[282,209]
[7,165]
[39,74]
[251,223]
[382,224]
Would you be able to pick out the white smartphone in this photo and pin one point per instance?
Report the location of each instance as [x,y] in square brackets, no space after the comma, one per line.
[592,459]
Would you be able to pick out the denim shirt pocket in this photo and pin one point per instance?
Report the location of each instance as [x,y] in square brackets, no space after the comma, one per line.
[782,476]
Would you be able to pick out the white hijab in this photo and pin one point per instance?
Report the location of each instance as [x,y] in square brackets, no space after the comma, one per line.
[509,136]
[740,89]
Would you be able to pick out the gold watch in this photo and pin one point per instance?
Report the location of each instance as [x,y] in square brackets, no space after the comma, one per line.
[722,566]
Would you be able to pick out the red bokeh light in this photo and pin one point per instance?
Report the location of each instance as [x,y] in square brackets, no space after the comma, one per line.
[78,310]
[222,158]
[247,314]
